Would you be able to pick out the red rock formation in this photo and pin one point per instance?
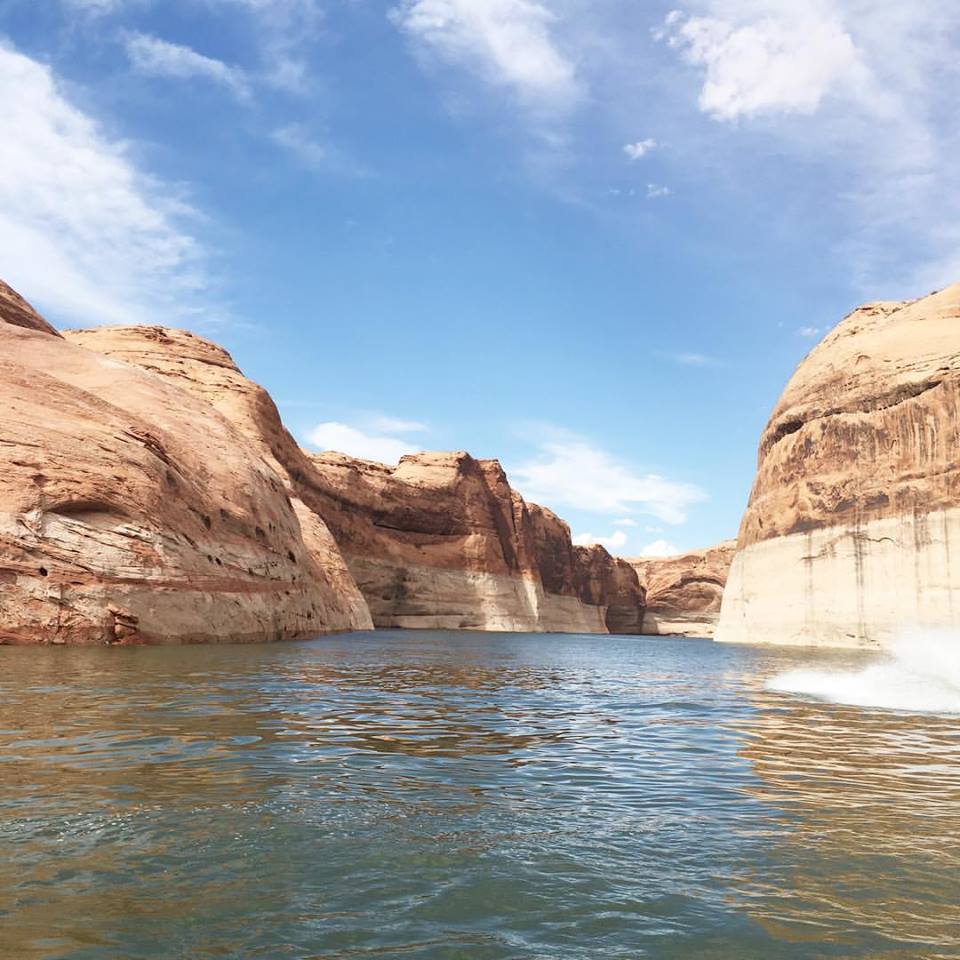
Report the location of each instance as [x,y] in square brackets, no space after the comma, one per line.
[612,583]
[684,592]
[15,311]
[208,372]
[132,511]
[440,540]
[856,503]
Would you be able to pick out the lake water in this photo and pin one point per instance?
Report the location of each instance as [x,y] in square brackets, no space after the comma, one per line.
[457,795]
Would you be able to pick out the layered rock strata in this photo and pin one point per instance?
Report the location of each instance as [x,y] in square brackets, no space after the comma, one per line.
[131,511]
[854,518]
[442,541]
[438,541]
[684,592]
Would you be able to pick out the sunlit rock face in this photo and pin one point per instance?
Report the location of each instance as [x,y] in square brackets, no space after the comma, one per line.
[683,592]
[132,511]
[853,522]
[208,372]
[441,540]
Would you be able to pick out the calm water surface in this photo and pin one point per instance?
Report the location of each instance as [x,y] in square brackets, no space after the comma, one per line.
[477,796]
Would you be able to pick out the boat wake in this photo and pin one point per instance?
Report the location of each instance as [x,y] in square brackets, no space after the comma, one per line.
[919,674]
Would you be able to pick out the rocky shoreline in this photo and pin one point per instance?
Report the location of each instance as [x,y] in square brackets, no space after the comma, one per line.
[150,493]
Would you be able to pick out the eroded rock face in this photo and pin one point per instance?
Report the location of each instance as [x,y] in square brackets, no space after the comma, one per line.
[853,523]
[611,582]
[132,511]
[16,312]
[208,372]
[440,540]
[684,592]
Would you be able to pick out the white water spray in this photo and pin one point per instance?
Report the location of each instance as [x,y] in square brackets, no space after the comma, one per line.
[920,674]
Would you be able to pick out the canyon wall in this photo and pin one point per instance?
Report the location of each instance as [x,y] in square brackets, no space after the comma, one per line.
[854,516]
[440,540]
[132,511]
[684,592]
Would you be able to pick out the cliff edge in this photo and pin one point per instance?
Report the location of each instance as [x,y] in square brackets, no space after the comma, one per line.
[854,515]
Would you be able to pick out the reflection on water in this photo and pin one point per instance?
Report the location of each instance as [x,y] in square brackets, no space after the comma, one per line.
[430,795]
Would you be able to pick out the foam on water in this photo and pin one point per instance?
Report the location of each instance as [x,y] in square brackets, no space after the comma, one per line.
[919,674]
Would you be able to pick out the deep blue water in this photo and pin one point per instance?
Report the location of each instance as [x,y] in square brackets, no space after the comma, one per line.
[465,795]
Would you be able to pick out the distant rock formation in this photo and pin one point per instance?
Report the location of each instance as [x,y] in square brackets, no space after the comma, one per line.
[854,518]
[684,591]
[132,511]
[438,541]
[442,541]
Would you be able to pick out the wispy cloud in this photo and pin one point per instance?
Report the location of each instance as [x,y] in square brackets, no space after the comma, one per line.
[160,58]
[96,7]
[615,540]
[868,91]
[284,33]
[686,359]
[83,231]
[626,522]
[659,548]
[509,43]
[314,155]
[373,440]
[349,440]
[811,333]
[295,138]
[570,472]
[638,150]
[657,190]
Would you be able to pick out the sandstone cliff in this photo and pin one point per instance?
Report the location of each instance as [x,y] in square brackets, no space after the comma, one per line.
[132,511]
[855,511]
[207,371]
[684,591]
[441,540]
[438,541]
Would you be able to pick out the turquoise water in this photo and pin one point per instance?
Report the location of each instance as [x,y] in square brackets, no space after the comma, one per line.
[477,796]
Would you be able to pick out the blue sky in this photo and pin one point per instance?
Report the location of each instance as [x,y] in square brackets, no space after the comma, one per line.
[592,240]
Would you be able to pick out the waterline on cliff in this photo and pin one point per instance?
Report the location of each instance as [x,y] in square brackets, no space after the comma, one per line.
[920,674]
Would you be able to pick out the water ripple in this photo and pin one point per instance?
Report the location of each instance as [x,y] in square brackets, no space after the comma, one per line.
[434,796]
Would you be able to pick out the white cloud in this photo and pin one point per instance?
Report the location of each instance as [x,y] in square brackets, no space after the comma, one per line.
[863,94]
[785,62]
[691,359]
[572,473]
[83,232]
[641,148]
[294,137]
[507,42]
[159,58]
[656,190]
[616,539]
[356,443]
[313,155]
[811,333]
[96,7]
[626,522]
[284,30]
[659,548]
